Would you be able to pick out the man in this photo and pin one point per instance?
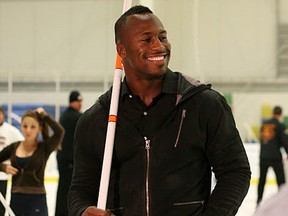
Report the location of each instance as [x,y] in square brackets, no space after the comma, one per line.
[8,134]
[68,120]
[272,138]
[170,131]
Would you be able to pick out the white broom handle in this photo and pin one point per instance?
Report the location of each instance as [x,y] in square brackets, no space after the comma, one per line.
[109,143]
[6,206]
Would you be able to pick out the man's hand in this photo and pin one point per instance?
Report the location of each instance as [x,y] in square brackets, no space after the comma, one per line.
[93,211]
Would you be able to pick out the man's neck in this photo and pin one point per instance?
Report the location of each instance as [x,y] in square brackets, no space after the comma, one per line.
[278,117]
[146,90]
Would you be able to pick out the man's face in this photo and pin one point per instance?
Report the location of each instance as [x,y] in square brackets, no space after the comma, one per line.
[77,105]
[2,117]
[144,47]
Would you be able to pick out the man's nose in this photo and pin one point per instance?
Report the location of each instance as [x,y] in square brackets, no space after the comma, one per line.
[157,44]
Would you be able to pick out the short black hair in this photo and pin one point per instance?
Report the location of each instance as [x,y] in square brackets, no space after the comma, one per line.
[75,96]
[277,110]
[138,9]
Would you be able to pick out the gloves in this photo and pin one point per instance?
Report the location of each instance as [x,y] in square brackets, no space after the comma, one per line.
[94,211]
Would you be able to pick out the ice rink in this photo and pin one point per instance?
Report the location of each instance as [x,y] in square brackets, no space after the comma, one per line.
[249,204]
[247,208]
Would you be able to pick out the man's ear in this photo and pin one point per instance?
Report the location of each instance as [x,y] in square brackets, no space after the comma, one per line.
[121,50]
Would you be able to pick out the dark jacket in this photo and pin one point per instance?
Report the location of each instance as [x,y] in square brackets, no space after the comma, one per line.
[68,120]
[30,178]
[272,138]
[168,173]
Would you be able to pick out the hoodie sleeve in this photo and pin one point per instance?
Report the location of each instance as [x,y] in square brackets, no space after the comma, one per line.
[228,158]
[88,142]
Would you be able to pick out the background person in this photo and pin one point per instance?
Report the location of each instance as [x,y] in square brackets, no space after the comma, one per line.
[28,161]
[8,134]
[272,138]
[68,120]
[171,130]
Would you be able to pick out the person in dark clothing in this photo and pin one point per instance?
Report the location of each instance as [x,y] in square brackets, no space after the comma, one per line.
[171,130]
[272,138]
[68,120]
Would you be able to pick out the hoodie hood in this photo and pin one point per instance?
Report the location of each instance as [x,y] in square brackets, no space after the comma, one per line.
[186,88]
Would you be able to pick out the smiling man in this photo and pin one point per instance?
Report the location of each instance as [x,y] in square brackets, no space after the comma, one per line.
[171,131]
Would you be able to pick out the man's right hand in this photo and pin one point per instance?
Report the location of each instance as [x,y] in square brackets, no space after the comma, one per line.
[94,211]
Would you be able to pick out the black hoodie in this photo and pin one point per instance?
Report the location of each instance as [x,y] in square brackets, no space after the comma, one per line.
[168,171]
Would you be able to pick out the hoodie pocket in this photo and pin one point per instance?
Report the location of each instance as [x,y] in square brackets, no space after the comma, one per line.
[189,208]
[198,202]
[183,115]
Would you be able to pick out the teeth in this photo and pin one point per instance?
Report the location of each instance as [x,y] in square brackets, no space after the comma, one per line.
[156,58]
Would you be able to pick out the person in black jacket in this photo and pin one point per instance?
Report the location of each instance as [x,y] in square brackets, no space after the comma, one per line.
[171,131]
[272,138]
[68,120]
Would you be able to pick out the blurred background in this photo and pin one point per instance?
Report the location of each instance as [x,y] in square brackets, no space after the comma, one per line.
[50,47]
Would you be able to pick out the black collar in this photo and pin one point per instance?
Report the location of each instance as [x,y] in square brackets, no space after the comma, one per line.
[170,81]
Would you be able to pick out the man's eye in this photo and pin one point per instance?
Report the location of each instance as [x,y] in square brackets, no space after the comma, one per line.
[148,40]
[163,38]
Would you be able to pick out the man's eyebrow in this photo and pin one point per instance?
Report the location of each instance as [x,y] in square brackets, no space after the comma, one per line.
[149,33]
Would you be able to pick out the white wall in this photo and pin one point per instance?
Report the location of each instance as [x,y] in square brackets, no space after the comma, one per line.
[64,37]
[221,39]
[235,39]
[74,39]
[283,8]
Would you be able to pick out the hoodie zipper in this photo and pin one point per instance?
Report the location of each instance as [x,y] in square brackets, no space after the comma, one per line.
[189,203]
[180,127]
[147,147]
